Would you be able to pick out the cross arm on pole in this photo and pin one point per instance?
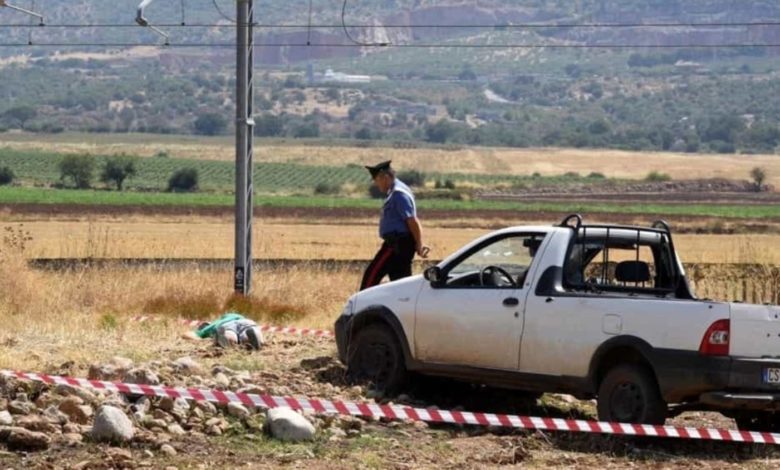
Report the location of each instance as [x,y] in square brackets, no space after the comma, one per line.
[4,3]
[140,18]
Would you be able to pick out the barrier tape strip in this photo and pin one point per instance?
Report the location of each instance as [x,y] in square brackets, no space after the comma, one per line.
[291,330]
[399,412]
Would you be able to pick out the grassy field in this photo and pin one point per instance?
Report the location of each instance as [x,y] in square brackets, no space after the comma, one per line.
[477,160]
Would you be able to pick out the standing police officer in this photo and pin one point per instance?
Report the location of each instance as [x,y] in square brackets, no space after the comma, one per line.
[398,227]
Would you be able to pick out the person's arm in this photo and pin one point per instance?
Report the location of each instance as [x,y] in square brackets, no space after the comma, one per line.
[416,230]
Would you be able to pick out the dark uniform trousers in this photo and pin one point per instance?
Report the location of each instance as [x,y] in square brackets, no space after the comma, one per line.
[393,259]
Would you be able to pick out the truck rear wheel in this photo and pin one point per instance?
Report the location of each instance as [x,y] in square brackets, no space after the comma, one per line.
[374,356]
[760,421]
[629,394]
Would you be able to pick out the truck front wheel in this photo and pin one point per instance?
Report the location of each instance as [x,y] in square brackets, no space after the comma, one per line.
[629,394]
[374,356]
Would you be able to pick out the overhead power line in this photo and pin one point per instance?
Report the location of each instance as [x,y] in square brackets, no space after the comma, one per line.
[402,46]
[406,26]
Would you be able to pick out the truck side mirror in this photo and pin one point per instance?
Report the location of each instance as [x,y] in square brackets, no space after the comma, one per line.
[434,276]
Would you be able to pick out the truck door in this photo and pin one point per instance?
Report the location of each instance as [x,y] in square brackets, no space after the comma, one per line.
[474,317]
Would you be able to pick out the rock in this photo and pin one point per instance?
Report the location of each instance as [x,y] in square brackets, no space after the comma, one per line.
[142,405]
[36,423]
[24,440]
[6,419]
[72,439]
[104,372]
[54,415]
[122,362]
[221,380]
[21,407]
[336,434]
[179,407]
[176,430]
[207,407]
[119,455]
[422,425]
[141,376]
[75,409]
[237,410]
[187,365]
[168,450]
[220,369]
[567,398]
[287,425]
[112,425]
[71,428]
[214,430]
[83,393]
[116,400]
[350,422]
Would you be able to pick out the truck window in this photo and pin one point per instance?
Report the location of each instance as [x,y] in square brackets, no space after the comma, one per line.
[512,254]
[624,261]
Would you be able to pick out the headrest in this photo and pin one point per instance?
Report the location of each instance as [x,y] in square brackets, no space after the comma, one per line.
[632,271]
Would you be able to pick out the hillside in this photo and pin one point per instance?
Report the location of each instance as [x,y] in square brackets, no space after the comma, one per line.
[686,99]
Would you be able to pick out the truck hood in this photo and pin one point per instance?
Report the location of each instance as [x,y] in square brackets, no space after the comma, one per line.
[755,330]
[401,294]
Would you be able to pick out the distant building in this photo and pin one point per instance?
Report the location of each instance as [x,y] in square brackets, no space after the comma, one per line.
[331,76]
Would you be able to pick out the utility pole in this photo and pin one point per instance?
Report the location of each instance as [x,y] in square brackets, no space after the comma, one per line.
[245,125]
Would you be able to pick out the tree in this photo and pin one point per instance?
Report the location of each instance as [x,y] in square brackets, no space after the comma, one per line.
[210,124]
[364,133]
[268,125]
[79,169]
[6,175]
[440,132]
[759,176]
[185,179]
[20,115]
[117,169]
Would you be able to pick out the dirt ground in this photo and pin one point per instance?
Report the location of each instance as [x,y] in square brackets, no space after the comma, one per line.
[308,367]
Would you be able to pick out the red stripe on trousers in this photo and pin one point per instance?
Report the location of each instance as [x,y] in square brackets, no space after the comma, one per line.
[378,266]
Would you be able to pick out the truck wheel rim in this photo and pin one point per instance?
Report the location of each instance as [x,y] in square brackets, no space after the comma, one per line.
[376,362]
[627,403]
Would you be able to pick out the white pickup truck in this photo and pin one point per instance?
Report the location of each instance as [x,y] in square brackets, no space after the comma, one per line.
[599,311]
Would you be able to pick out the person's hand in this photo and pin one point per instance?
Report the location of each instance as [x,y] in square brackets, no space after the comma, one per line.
[423,251]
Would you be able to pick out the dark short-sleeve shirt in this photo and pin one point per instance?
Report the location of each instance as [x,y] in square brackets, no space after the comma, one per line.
[397,209]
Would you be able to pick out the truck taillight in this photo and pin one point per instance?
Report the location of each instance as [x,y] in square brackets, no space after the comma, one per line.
[716,340]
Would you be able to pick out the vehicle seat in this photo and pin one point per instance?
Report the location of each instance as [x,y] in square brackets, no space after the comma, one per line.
[635,272]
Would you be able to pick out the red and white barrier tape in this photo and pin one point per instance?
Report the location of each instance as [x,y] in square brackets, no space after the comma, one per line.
[290,330]
[398,412]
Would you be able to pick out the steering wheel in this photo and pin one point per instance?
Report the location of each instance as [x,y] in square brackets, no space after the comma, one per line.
[492,269]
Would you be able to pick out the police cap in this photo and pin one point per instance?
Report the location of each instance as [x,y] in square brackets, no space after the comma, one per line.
[376,169]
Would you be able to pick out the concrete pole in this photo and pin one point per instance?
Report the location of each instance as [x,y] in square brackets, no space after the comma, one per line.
[242,275]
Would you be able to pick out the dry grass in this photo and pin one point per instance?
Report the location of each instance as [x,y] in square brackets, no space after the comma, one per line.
[82,316]
[547,161]
[211,237]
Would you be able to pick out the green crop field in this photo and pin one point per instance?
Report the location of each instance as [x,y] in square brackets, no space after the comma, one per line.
[40,168]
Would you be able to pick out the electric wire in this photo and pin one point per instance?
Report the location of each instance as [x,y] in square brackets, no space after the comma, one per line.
[408,46]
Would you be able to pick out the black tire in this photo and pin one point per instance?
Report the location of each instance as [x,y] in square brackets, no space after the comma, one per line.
[759,421]
[375,357]
[629,394]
